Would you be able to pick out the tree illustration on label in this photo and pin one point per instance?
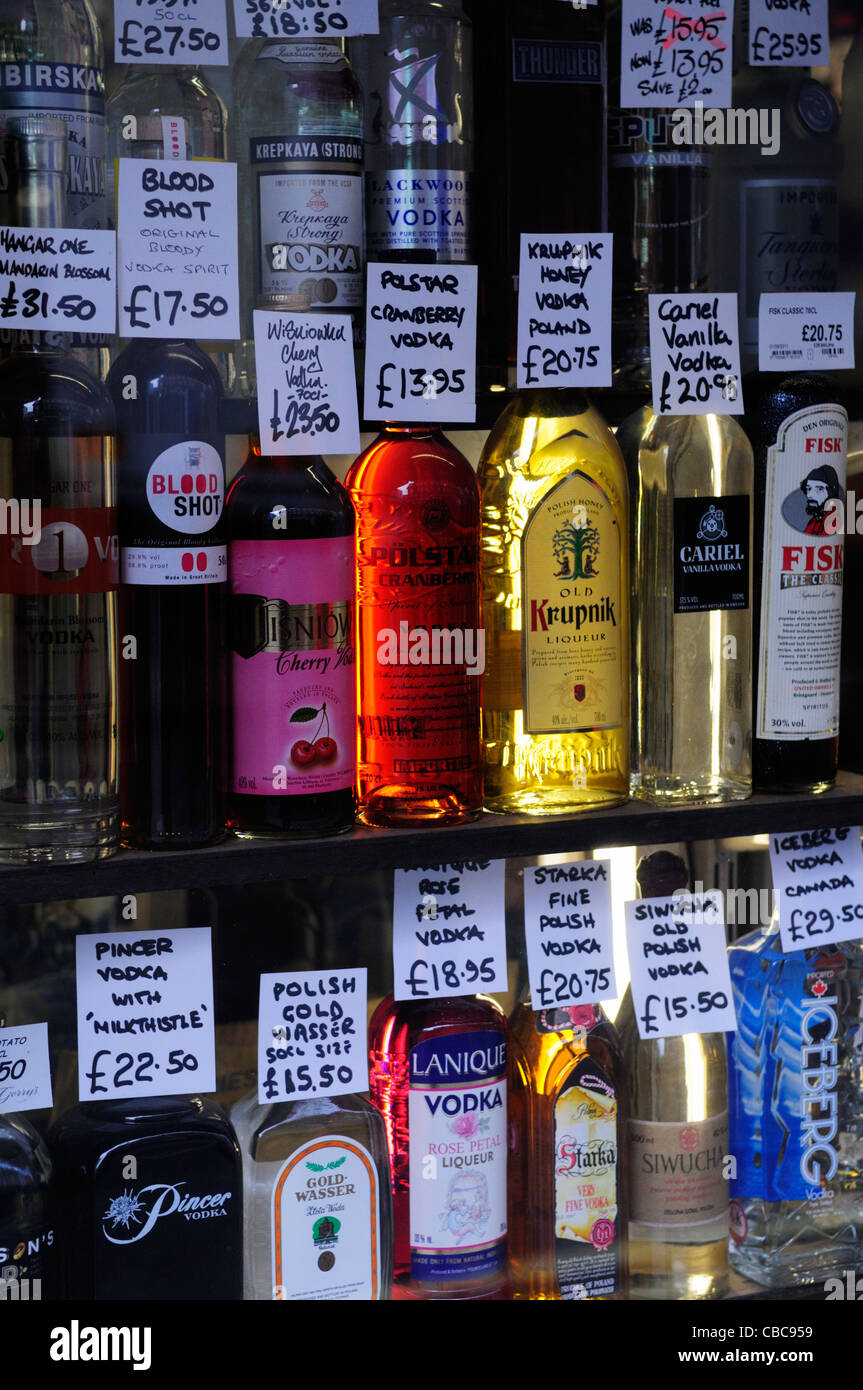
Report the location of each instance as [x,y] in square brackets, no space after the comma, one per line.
[320,748]
[576,548]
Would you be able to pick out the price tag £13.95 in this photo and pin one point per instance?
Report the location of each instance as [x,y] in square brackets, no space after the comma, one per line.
[25,1068]
[567,928]
[818,875]
[678,961]
[305,19]
[695,354]
[307,395]
[312,1027]
[809,332]
[448,930]
[162,31]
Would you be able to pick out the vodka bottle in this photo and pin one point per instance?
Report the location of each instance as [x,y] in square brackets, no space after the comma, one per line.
[58,621]
[691,478]
[796,1101]
[555,538]
[417,80]
[317,1200]
[27,1249]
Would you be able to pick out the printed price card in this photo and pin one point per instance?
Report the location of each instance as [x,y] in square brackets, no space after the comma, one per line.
[145,1014]
[679,965]
[305,19]
[676,54]
[448,930]
[58,281]
[818,875]
[564,311]
[312,1035]
[165,31]
[567,928]
[420,342]
[307,391]
[25,1068]
[788,33]
[808,331]
[695,354]
[177,238]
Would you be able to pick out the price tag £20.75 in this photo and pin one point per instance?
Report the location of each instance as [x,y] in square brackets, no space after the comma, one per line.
[567,928]
[312,1035]
[679,965]
[818,875]
[448,930]
[812,332]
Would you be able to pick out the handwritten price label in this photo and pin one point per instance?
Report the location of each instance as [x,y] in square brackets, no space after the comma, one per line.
[145,1014]
[695,354]
[564,311]
[181,32]
[818,875]
[307,399]
[567,927]
[679,965]
[789,34]
[812,331]
[305,19]
[676,54]
[25,1069]
[312,1035]
[56,280]
[448,930]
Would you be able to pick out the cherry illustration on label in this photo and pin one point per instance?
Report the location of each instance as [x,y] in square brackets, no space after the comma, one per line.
[321,747]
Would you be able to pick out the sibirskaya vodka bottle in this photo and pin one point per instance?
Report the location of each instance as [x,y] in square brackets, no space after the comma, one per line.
[796,1110]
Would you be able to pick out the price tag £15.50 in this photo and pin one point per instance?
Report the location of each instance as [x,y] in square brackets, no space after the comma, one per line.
[162,31]
[448,930]
[818,875]
[312,1035]
[678,961]
[307,395]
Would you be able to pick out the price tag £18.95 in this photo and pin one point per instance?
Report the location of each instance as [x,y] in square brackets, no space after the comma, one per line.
[678,963]
[312,1035]
[448,930]
[25,1069]
[162,31]
[695,354]
[307,394]
[818,875]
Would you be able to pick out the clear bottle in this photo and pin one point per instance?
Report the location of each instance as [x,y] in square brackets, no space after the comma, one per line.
[58,591]
[417,79]
[555,528]
[677,1139]
[691,481]
[567,1163]
[317,1203]
[438,1077]
[27,1249]
[420,647]
[795,1102]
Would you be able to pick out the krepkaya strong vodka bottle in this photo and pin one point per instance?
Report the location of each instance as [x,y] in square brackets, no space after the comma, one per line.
[28,1250]
[317,1203]
[691,480]
[417,82]
[796,1109]
[555,575]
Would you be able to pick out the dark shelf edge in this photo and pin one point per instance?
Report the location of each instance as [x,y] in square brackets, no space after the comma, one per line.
[489,837]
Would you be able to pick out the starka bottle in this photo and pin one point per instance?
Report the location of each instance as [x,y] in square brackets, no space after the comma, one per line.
[28,1251]
[317,1200]
[438,1077]
[59,575]
[555,576]
[421,648]
[417,82]
[691,483]
[677,1141]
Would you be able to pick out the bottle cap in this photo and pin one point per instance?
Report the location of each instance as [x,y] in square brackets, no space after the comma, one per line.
[660,875]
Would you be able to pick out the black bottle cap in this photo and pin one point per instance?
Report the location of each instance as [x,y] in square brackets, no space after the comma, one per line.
[661,874]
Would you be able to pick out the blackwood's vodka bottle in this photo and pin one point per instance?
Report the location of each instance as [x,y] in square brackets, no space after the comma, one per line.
[317,1200]
[796,1110]
[691,481]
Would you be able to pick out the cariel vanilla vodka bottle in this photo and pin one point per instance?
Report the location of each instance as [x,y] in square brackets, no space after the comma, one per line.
[796,1110]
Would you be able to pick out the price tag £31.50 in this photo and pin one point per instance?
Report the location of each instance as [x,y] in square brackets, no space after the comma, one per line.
[312,1027]
[163,31]
[307,395]
[818,875]
[54,280]
[448,930]
[678,961]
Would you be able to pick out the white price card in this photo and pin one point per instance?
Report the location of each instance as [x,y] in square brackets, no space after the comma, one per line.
[312,1035]
[305,19]
[177,249]
[678,964]
[567,928]
[818,875]
[449,936]
[145,1014]
[564,310]
[58,281]
[789,33]
[676,54]
[307,389]
[420,342]
[179,32]
[695,354]
[25,1068]
[808,332]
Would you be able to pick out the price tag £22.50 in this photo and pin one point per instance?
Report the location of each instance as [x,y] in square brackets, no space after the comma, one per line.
[312,1035]
[678,961]
[448,930]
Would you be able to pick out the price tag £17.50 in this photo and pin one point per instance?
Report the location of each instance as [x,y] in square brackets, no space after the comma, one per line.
[818,875]
[678,963]
[448,930]
[307,396]
[312,1035]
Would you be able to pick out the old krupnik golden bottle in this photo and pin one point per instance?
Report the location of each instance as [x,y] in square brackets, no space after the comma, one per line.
[555,608]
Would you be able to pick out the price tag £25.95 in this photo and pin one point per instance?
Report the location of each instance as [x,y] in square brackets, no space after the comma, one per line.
[678,961]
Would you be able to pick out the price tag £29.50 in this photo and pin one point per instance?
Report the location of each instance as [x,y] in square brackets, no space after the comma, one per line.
[312,1027]
[307,395]
[678,961]
[164,31]
[818,875]
[448,930]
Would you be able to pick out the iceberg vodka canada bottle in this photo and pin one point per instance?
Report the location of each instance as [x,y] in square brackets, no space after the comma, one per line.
[796,1110]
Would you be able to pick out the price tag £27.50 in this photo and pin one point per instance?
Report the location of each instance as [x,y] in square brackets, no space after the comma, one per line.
[678,961]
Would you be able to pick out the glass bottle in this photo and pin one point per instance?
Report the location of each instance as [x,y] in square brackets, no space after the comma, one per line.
[555,527]
[420,646]
[417,79]
[438,1077]
[58,617]
[799,434]
[317,1200]
[567,1162]
[291,567]
[677,1140]
[691,481]
[27,1249]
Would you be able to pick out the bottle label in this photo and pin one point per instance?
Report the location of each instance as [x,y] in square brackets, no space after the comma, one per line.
[458,1155]
[417,209]
[290,53]
[711,553]
[310,217]
[77,550]
[77,95]
[801,578]
[556,60]
[587,1243]
[326,1224]
[572,652]
[172,498]
[677,1171]
[293,666]
[790,241]
[25,1254]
